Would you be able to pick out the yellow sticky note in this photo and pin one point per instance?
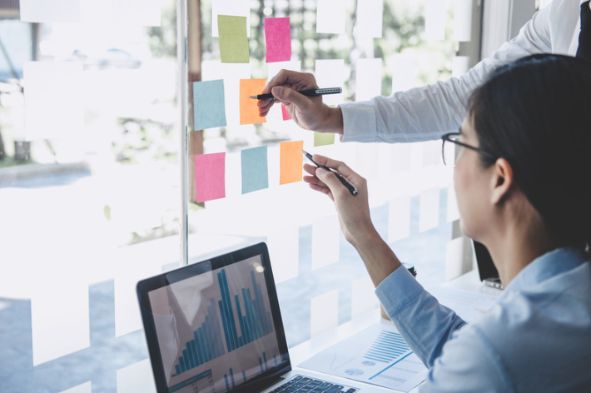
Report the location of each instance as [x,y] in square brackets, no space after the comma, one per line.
[249,111]
[233,40]
[291,159]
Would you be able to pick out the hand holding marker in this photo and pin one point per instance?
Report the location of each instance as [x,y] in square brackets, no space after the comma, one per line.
[352,189]
[307,93]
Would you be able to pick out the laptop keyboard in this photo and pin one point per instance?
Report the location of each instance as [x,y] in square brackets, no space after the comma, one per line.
[305,384]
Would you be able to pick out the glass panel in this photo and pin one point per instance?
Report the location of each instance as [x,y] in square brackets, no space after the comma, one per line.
[89,189]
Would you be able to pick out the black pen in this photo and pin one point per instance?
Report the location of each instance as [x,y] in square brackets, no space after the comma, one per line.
[308,93]
[352,189]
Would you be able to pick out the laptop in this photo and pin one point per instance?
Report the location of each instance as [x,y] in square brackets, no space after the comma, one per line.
[487,271]
[215,326]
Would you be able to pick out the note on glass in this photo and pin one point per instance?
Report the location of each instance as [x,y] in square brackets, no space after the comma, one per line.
[60,322]
[53,104]
[132,378]
[43,11]
[323,138]
[209,104]
[210,180]
[255,174]
[368,82]
[324,312]
[249,111]
[331,73]
[435,18]
[285,113]
[331,16]
[399,219]
[370,14]
[233,40]
[278,39]
[462,20]
[229,7]
[291,159]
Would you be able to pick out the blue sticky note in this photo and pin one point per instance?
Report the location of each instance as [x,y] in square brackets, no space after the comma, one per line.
[254,169]
[209,108]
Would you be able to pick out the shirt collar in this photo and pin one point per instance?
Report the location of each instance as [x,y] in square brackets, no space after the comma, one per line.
[547,266]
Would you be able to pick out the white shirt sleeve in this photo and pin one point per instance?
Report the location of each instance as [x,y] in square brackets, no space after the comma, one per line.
[427,112]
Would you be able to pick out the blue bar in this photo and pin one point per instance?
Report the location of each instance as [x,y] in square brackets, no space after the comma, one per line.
[229,311]
[193,357]
[265,360]
[226,381]
[226,332]
[243,337]
[178,370]
[243,376]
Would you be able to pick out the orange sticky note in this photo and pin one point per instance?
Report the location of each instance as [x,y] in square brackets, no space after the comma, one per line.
[249,111]
[291,159]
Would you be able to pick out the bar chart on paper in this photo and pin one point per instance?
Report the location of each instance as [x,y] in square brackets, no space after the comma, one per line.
[378,355]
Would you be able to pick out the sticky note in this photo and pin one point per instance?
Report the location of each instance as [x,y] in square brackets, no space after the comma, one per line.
[285,113]
[229,7]
[278,39]
[331,16]
[368,83]
[435,19]
[291,161]
[209,174]
[249,111]
[462,20]
[42,11]
[209,104]
[370,14]
[331,73]
[255,174]
[323,138]
[233,40]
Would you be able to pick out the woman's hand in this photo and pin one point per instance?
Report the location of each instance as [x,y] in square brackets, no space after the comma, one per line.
[353,211]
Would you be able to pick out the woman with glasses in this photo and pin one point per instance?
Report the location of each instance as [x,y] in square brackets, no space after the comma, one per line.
[522,174]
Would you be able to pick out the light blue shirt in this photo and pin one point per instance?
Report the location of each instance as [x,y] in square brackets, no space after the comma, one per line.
[537,337]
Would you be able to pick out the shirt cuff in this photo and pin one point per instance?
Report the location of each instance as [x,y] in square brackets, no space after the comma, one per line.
[359,122]
[398,290]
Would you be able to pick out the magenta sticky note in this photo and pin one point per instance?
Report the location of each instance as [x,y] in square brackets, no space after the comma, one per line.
[210,176]
[278,39]
[285,113]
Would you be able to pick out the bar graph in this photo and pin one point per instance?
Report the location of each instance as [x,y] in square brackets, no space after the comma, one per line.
[387,347]
[254,320]
[207,343]
[243,318]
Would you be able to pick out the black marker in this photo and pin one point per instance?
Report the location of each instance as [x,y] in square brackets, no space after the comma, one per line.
[308,93]
[352,189]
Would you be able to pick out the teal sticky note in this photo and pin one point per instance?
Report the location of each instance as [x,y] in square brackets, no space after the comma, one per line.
[254,169]
[209,108]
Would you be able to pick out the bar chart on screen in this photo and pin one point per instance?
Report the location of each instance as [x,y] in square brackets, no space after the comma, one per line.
[215,330]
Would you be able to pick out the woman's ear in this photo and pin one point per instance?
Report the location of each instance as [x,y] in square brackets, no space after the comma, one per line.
[502,181]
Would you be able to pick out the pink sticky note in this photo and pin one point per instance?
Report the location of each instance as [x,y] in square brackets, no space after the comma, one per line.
[278,39]
[285,112]
[210,179]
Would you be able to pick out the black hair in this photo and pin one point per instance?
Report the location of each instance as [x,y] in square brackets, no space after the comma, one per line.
[536,113]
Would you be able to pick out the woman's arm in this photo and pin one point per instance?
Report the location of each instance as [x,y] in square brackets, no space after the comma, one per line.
[425,324]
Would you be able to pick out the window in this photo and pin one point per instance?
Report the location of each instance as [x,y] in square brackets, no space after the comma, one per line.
[90,174]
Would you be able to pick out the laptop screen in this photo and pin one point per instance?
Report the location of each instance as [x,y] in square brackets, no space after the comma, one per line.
[214,325]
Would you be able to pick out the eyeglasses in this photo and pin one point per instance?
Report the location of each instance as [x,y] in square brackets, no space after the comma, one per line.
[448,152]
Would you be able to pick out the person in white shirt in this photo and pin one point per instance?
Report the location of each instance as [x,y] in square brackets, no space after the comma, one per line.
[425,113]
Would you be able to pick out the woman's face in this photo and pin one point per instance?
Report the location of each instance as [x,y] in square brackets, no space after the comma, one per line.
[472,184]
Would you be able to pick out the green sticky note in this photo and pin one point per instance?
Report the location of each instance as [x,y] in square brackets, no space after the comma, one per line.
[233,40]
[323,138]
